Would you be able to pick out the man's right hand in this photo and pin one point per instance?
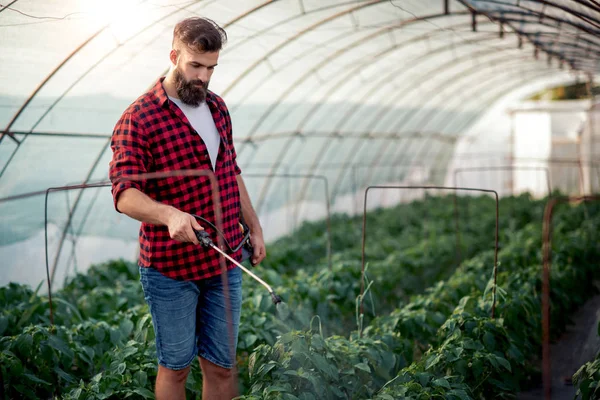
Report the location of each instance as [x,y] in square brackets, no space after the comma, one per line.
[182,225]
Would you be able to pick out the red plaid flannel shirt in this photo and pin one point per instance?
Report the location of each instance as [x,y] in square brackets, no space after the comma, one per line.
[154,135]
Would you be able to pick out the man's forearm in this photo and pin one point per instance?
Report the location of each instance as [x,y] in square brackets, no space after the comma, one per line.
[138,205]
[247,210]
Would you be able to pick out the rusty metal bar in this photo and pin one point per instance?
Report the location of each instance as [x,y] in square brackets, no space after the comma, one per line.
[388,187]
[327,202]
[547,252]
[139,177]
[505,168]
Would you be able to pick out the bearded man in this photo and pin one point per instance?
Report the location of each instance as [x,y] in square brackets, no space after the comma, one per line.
[179,124]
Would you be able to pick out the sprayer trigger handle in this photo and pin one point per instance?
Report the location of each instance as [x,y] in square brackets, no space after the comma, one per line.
[203,238]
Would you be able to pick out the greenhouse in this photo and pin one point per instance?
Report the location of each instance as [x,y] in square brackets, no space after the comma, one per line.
[425,174]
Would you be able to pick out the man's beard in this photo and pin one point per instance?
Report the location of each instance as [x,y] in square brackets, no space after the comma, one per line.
[192,93]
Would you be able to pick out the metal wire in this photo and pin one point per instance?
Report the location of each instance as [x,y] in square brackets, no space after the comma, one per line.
[388,187]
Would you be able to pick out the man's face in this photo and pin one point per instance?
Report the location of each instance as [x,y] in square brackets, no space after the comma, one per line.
[192,74]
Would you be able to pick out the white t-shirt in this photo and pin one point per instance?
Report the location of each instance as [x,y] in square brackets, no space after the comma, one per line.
[201,119]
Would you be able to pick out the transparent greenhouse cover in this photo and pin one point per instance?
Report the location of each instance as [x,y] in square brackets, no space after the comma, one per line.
[349,91]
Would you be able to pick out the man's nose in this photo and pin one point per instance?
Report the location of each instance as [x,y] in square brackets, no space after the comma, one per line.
[203,75]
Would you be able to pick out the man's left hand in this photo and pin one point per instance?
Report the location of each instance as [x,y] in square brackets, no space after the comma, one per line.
[258,243]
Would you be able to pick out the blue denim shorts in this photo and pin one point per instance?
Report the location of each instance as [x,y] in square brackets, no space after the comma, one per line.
[190,318]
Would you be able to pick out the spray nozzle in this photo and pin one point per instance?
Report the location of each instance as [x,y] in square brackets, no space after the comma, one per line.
[276,299]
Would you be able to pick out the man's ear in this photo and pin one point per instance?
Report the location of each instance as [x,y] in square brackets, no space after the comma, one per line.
[173,56]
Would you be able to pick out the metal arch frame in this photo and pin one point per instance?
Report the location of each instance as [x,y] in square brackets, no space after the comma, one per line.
[465,124]
[386,52]
[282,156]
[106,145]
[494,99]
[99,157]
[40,87]
[521,33]
[342,51]
[469,122]
[8,5]
[582,16]
[56,69]
[547,71]
[425,142]
[356,135]
[396,127]
[238,18]
[415,85]
[381,116]
[349,73]
[313,109]
[385,81]
[293,38]
[79,48]
[383,31]
[382,149]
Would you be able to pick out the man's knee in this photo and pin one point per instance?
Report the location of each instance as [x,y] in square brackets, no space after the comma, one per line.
[175,376]
[214,371]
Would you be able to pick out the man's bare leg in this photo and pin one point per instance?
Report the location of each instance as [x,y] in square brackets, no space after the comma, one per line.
[218,383]
[170,384]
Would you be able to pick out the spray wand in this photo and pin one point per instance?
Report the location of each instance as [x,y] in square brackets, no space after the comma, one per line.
[206,241]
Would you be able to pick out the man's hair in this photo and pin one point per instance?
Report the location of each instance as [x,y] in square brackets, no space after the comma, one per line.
[199,34]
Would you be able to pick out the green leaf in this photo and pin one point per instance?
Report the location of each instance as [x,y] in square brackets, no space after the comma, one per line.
[433,360]
[35,379]
[3,325]
[97,377]
[250,339]
[63,375]
[442,382]
[141,378]
[126,327]
[129,350]
[287,338]
[477,366]
[99,334]
[461,394]
[489,341]
[60,345]
[275,388]
[76,393]
[145,393]
[504,363]
[26,317]
[362,366]
[71,307]
[121,368]
[115,336]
